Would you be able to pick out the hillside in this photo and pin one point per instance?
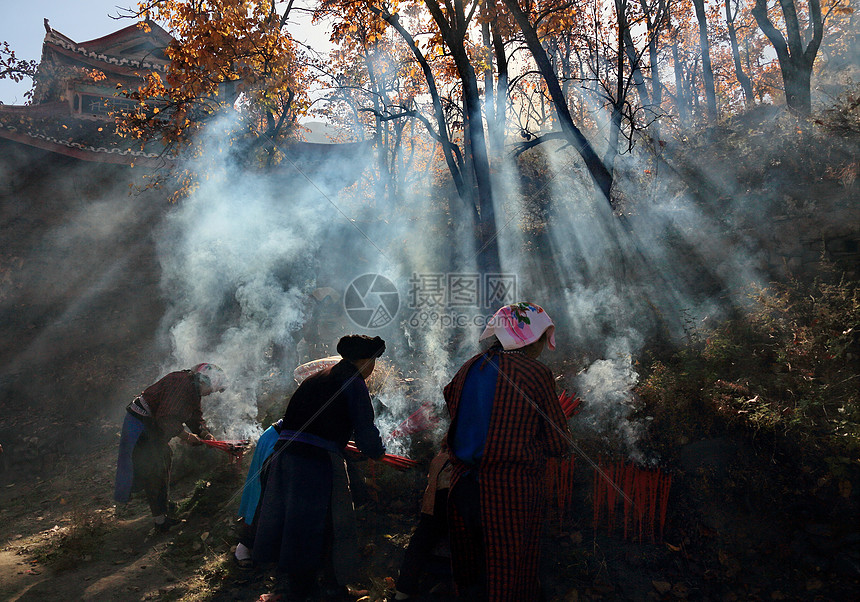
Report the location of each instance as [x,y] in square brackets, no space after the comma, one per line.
[755,417]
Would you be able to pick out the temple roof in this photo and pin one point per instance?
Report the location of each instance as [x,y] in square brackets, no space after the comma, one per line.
[132,47]
[50,126]
[71,114]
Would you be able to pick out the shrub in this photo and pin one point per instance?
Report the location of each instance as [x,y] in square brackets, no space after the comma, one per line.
[788,367]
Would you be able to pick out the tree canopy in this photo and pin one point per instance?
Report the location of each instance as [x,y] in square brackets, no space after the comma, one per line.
[459,85]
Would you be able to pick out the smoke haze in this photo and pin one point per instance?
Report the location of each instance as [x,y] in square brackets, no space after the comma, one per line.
[241,256]
[233,268]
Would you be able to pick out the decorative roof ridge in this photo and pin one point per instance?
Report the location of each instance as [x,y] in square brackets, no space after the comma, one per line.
[58,39]
[78,145]
[155,31]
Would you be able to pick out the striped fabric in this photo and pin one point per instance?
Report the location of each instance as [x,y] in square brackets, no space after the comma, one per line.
[510,476]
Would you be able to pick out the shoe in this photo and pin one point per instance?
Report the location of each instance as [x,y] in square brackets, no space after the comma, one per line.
[168,522]
[242,556]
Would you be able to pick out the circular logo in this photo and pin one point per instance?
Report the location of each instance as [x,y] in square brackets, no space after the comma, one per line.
[371,301]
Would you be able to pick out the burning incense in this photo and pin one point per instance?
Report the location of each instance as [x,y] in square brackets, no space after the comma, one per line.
[559,482]
[235,447]
[420,420]
[645,501]
[597,494]
[398,462]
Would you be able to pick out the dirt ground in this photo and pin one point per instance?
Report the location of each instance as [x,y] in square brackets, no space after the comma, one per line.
[80,340]
[61,539]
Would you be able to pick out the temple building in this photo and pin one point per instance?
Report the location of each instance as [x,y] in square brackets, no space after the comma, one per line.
[71,110]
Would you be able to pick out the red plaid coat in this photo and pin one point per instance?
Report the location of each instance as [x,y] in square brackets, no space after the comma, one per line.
[511,476]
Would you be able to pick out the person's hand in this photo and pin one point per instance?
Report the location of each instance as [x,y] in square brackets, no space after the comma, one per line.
[193,440]
[207,436]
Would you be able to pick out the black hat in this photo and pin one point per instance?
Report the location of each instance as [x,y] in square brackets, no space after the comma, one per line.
[359,346]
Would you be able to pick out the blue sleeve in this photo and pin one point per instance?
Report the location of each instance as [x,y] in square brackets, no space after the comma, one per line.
[361,414]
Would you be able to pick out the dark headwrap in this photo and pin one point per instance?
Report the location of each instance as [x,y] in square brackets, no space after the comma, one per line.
[358,347]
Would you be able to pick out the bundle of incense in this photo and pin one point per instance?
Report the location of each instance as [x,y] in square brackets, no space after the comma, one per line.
[231,445]
[645,500]
[398,462]
[569,403]
[420,420]
[234,447]
[559,480]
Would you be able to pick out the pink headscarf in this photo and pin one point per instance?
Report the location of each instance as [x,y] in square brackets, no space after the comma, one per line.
[520,324]
[211,375]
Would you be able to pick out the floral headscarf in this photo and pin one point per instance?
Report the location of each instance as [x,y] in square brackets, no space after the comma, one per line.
[520,324]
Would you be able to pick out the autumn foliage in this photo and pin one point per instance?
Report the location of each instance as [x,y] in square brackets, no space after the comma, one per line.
[449,88]
[229,56]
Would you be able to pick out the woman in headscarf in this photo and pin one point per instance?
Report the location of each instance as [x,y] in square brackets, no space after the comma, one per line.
[306,520]
[505,422]
[152,419]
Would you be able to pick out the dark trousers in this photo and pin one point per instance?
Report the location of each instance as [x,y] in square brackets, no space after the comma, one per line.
[466,499]
[306,584]
[152,459]
[431,529]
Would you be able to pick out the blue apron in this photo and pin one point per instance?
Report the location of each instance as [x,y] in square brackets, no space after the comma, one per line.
[251,491]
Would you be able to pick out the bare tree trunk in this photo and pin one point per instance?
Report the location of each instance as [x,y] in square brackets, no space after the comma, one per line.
[691,93]
[656,86]
[795,61]
[655,21]
[489,92]
[488,254]
[635,68]
[797,79]
[495,90]
[380,127]
[501,111]
[618,101]
[743,78]
[707,69]
[455,167]
[680,96]
[598,170]
[454,35]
